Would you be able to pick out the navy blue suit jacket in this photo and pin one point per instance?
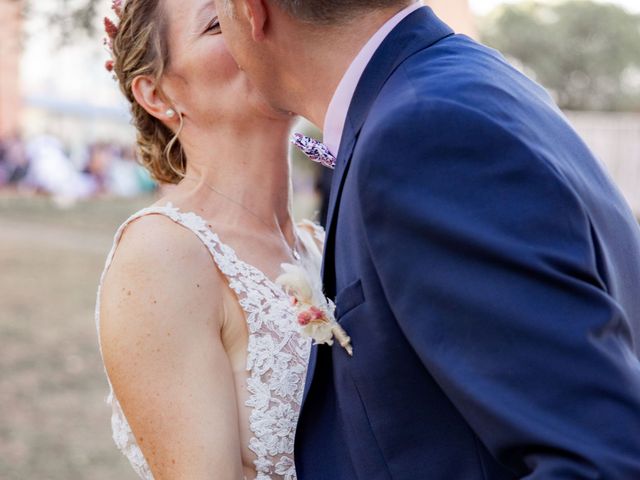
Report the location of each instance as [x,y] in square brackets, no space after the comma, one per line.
[488,272]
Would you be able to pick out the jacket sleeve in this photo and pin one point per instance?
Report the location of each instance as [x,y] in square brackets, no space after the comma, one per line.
[485,254]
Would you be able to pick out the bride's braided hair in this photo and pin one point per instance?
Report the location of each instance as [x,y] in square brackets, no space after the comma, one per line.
[139,47]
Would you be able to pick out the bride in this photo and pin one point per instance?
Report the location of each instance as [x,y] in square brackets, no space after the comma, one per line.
[201,347]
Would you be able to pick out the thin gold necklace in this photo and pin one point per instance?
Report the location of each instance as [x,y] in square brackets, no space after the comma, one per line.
[294,251]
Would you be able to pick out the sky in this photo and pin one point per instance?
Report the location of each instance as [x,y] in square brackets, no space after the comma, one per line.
[76,73]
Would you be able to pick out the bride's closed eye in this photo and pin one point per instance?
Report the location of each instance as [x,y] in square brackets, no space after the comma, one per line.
[213,27]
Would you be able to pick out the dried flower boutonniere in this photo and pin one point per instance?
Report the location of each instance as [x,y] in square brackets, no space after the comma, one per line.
[315,312]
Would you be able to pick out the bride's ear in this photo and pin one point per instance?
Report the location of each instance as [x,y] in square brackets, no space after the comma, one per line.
[146,93]
[257,14]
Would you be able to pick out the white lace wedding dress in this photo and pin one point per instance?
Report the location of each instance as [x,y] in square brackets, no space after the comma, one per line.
[277,354]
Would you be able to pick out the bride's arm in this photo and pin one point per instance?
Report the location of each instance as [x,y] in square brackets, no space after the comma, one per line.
[161,323]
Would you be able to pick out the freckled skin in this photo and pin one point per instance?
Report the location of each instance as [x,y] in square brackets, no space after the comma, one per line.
[172,354]
[174,337]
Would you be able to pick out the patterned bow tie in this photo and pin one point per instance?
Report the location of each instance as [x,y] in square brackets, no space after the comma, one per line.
[315,150]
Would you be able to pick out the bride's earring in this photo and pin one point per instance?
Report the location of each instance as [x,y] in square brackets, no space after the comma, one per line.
[171,113]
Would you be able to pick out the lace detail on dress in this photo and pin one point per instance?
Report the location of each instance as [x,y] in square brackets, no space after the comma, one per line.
[277,354]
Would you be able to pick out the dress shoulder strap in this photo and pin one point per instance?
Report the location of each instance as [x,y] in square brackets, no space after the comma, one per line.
[242,277]
[154,210]
[223,255]
[190,221]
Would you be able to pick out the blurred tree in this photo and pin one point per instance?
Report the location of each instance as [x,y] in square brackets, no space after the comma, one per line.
[75,16]
[65,18]
[586,53]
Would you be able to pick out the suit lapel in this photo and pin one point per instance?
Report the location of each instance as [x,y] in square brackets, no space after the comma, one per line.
[339,173]
[418,31]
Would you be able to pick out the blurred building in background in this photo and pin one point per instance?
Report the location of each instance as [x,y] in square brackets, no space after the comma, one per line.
[10,50]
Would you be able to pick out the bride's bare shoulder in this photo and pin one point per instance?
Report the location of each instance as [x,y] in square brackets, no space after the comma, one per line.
[161,318]
[156,238]
[161,272]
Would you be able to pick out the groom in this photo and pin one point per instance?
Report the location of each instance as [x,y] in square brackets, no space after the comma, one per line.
[484,265]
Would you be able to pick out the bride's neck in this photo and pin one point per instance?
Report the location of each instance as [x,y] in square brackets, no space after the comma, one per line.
[248,165]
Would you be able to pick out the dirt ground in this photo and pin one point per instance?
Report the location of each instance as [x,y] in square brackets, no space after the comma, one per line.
[54,424]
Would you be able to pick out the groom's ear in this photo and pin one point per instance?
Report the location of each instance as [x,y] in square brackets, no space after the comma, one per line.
[257,13]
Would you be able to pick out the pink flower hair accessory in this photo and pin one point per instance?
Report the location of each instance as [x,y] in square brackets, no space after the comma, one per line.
[111,29]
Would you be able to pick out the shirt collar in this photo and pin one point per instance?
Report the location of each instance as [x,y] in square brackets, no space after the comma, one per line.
[339,106]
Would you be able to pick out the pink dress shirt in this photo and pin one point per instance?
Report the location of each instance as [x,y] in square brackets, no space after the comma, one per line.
[339,106]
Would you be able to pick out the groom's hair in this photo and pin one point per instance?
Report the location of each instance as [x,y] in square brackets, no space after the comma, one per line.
[331,11]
